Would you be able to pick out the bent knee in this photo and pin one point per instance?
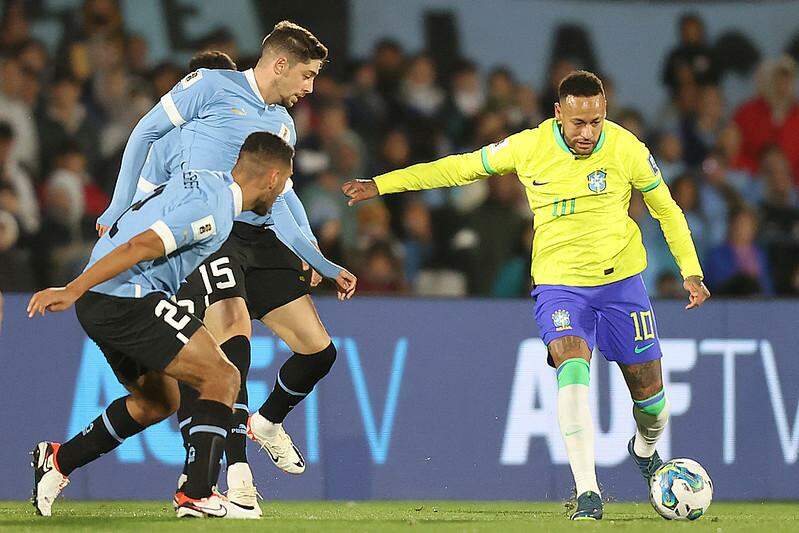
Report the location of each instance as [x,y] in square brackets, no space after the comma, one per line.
[568,347]
[228,318]
[160,409]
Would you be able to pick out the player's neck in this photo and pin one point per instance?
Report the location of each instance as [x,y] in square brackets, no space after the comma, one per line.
[266,85]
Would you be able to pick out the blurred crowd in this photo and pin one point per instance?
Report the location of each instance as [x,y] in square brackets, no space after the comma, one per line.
[65,114]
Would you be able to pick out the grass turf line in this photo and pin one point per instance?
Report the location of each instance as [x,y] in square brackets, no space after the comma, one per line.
[390,516]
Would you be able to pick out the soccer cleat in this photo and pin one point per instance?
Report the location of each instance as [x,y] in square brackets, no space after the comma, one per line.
[48,482]
[589,507]
[647,465]
[241,492]
[212,506]
[182,478]
[278,446]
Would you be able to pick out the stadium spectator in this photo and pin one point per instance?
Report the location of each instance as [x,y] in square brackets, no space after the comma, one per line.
[419,89]
[772,117]
[64,119]
[691,62]
[467,98]
[513,278]
[721,191]
[739,267]
[686,194]
[15,111]
[779,213]
[365,106]
[15,268]
[18,196]
[381,273]
[701,131]
[669,155]
[497,226]
[417,243]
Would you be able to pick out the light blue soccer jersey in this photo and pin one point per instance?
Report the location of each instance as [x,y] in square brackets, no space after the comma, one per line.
[213,111]
[193,216]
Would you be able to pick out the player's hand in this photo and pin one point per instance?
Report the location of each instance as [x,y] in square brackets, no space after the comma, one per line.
[52,299]
[698,293]
[100,229]
[345,285]
[316,278]
[360,190]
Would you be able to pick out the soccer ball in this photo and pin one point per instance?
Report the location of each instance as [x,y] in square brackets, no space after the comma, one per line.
[681,490]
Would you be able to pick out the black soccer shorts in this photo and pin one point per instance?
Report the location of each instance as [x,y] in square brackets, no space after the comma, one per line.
[252,264]
[136,335]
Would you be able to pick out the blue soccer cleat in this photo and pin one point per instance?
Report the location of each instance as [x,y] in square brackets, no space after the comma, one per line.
[647,465]
[589,507]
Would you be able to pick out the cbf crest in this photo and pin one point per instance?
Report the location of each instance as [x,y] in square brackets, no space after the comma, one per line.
[562,320]
[597,180]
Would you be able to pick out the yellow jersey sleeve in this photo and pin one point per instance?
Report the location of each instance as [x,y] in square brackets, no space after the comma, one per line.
[454,170]
[646,177]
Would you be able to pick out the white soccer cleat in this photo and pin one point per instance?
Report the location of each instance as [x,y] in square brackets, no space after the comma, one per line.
[277,443]
[213,506]
[48,482]
[241,493]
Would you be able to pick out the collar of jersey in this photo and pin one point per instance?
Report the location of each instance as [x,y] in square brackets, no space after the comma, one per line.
[249,74]
[565,147]
[237,198]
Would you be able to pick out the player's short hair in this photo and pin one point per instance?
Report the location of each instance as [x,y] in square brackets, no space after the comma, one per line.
[267,148]
[294,40]
[580,83]
[211,59]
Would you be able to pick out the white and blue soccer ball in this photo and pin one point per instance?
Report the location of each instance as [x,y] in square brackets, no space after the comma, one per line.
[681,490]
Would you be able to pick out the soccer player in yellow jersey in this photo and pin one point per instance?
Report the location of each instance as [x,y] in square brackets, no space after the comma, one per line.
[579,170]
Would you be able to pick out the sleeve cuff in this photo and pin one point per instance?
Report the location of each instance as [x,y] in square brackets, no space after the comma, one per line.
[163,231]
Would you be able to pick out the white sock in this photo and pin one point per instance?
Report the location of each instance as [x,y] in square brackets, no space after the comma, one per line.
[264,426]
[577,430]
[649,428]
[239,475]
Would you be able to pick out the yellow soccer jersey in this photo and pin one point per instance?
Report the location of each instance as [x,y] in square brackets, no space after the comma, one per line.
[583,234]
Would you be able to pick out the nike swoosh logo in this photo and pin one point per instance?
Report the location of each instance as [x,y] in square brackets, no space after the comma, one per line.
[274,457]
[570,433]
[639,349]
[536,183]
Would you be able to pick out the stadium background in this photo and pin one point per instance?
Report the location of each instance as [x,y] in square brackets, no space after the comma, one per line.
[459,406]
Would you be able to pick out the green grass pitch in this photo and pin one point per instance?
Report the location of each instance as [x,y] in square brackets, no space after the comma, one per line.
[391,516]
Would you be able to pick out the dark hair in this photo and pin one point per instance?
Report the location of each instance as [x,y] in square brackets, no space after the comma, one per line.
[580,83]
[686,18]
[211,59]
[294,40]
[267,147]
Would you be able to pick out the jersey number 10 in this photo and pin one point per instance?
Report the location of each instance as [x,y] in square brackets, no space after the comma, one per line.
[644,325]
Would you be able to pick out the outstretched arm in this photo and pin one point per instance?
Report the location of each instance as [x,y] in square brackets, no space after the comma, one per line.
[451,171]
[150,128]
[675,229]
[143,247]
[180,105]
[297,210]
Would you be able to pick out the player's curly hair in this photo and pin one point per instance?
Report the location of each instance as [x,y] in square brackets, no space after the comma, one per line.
[294,40]
[580,83]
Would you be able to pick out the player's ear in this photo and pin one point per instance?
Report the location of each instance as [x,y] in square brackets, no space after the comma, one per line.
[280,65]
[557,111]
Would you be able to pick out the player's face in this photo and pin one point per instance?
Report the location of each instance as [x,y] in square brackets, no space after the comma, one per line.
[582,119]
[273,183]
[296,81]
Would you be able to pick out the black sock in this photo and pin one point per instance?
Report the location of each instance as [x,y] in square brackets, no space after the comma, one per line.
[209,424]
[295,380]
[237,350]
[105,433]
[188,396]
